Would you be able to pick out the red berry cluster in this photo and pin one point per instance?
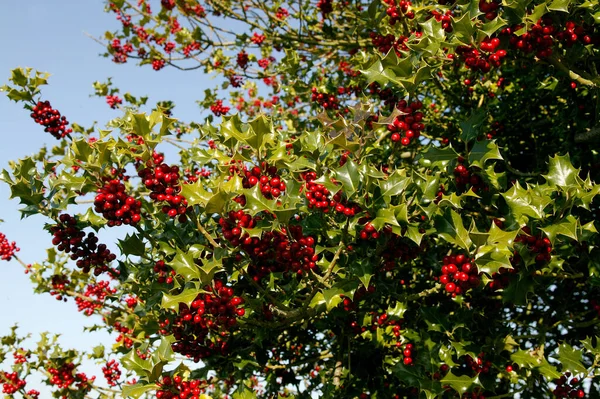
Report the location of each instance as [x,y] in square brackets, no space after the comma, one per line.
[242,59]
[274,251]
[177,388]
[409,124]
[318,197]
[113,101]
[537,244]
[7,249]
[397,250]
[96,293]
[163,182]
[396,11]
[325,6]
[574,33]
[327,101]
[165,273]
[158,64]
[465,178]
[408,354]
[568,389]
[120,52]
[168,4]
[368,232]
[490,9]
[64,377]
[445,19]
[389,41]
[131,302]
[124,335]
[21,356]
[12,383]
[84,249]
[111,372]
[271,185]
[55,124]
[483,59]
[59,284]
[282,13]
[257,38]
[116,206]
[219,109]
[214,312]
[478,365]
[459,274]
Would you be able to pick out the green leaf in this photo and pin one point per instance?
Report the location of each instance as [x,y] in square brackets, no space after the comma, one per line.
[571,359]
[437,156]
[450,228]
[459,384]
[195,193]
[183,264]
[394,185]
[137,390]
[256,201]
[526,202]
[567,228]
[562,173]
[517,290]
[482,151]
[132,245]
[463,28]
[560,5]
[470,128]
[349,177]
[187,296]
[131,361]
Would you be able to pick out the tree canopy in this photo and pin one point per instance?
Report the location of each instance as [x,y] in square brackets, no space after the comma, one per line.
[384,199]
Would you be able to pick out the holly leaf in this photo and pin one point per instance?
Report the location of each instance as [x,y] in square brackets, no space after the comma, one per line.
[183,264]
[137,390]
[517,290]
[131,361]
[571,359]
[562,173]
[349,177]
[132,245]
[460,384]
[470,128]
[567,228]
[482,151]
[450,227]
[437,156]
[187,296]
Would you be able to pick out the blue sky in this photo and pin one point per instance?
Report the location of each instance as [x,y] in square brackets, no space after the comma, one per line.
[51,36]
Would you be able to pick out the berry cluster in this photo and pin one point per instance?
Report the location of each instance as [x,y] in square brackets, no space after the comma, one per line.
[397,250]
[124,336]
[163,182]
[274,251]
[325,6]
[408,353]
[385,43]
[64,377]
[120,52]
[165,273]
[158,64]
[7,249]
[271,185]
[396,11]
[445,19]
[116,206]
[242,59]
[568,389]
[257,38]
[478,365]
[55,124]
[408,125]
[113,101]
[539,245]
[177,388]
[219,109]
[111,372]
[489,9]
[459,274]
[168,4]
[465,178]
[84,249]
[95,294]
[327,101]
[318,197]
[483,59]
[59,284]
[214,312]
[12,383]
[368,232]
